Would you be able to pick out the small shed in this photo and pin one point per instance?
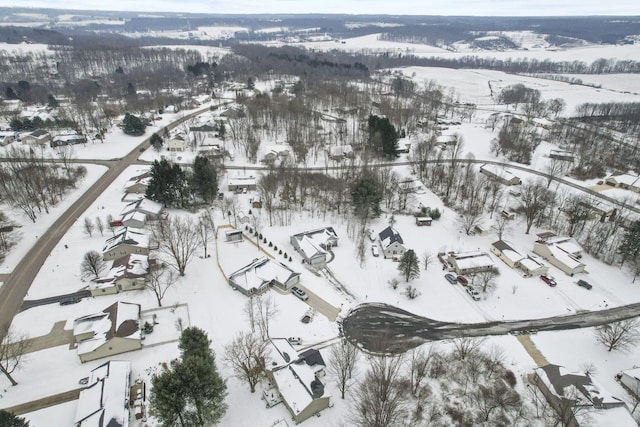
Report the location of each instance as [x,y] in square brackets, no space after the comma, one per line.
[424,221]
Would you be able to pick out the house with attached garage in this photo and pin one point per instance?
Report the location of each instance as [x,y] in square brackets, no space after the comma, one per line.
[153,210]
[626,181]
[138,184]
[562,253]
[126,242]
[296,380]
[39,137]
[311,251]
[248,183]
[112,331]
[127,273]
[104,402]
[134,219]
[572,393]
[391,243]
[178,144]
[261,274]
[470,262]
[514,259]
[500,174]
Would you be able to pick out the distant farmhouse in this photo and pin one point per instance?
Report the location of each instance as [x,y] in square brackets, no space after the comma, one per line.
[297,379]
[391,243]
[501,175]
[112,331]
[262,273]
[470,262]
[105,400]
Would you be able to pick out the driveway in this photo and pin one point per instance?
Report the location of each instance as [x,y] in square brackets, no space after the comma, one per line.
[320,305]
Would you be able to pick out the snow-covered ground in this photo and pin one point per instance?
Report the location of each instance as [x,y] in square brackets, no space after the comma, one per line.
[212,305]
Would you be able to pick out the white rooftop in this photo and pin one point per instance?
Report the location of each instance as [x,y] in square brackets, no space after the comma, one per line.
[103,402]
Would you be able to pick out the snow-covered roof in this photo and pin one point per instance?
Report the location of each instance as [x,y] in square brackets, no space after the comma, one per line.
[389,236]
[128,266]
[143,205]
[626,179]
[499,172]
[634,372]
[309,247]
[260,272]
[103,402]
[530,264]
[570,247]
[340,150]
[474,259]
[325,236]
[508,251]
[129,236]
[135,216]
[119,319]
[244,180]
[564,257]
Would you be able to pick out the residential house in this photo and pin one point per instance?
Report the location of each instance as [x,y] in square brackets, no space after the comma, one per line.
[630,379]
[178,144]
[68,139]
[470,262]
[128,241]
[561,253]
[134,219]
[311,251]
[127,273]
[571,393]
[138,184]
[153,210]
[241,183]
[326,237]
[626,181]
[510,256]
[112,331]
[599,209]
[391,243]
[297,379]
[262,273]
[566,156]
[532,266]
[499,174]
[339,152]
[39,136]
[104,402]
[275,152]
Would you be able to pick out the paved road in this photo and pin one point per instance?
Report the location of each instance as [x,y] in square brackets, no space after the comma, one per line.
[15,288]
[27,304]
[382,328]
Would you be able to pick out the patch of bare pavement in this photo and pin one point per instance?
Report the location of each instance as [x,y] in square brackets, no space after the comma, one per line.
[382,328]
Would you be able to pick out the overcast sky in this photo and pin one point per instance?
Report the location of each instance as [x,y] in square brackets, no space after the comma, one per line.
[390,7]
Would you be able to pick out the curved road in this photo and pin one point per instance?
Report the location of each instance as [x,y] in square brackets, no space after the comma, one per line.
[382,328]
[15,288]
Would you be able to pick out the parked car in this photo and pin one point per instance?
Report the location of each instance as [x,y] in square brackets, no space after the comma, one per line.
[451,278]
[473,294]
[69,301]
[548,280]
[294,340]
[299,293]
[374,250]
[585,284]
[463,280]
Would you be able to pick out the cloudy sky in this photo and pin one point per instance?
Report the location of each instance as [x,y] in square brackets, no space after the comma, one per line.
[398,7]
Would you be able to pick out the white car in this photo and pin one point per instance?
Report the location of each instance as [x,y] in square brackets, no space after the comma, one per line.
[299,293]
[374,250]
[473,293]
[294,340]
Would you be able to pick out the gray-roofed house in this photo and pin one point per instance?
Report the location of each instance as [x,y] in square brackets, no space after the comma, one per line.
[153,210]
[104,402]
[128,241]
[262,273]
[391,243]
[112,331]
[127,273]
[39,136]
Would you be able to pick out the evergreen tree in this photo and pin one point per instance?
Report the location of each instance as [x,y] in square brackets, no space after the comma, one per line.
[191,392]
[409,265]
[52,102]
[366,195]
[383,136]
[156,141]
[7,419]
[132,125]
[204,181]
[630,247]
[168,184]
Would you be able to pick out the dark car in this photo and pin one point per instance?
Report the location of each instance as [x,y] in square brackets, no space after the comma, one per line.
[463,280]
[69,301]
[584,284]
[548,280]
[451,278]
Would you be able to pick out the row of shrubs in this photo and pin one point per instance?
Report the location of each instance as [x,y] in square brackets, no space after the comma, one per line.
[263,239]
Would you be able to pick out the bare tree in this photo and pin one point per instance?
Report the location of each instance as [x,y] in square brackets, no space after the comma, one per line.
[92,264]
[495,397]
[379,397]
[427,260]
[13,347]
[534,200]
[88,226]
[204,231]
[343,364]
[621,335]
[110,224]
[159,281]
[466,347]
[265,310]
[100,225]
[501,226]
[65,153]
[469,219]
[487,278]
[419,366]
[178,238]
[246,356]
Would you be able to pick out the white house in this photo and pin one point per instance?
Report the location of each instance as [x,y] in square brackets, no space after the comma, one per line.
[311,251]
[631,380]
[391,243]
[177,144]
[153,210]
[262,273]
[134,219]
[501,175]
[470,262]
[626,181]
[112,331]
[105,400]
[561,253]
